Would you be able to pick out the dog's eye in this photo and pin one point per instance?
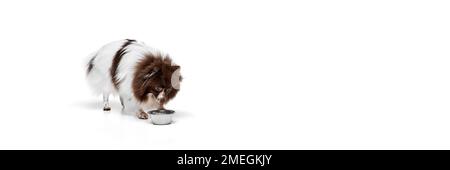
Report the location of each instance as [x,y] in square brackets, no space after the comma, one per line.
[158,89]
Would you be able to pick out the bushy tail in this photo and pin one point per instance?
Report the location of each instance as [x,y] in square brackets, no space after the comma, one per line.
[92,76]
[90,63]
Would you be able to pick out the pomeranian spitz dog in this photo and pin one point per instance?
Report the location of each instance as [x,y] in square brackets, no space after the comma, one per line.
[143,77]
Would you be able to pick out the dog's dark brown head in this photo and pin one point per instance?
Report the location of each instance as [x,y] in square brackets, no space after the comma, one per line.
[156,80]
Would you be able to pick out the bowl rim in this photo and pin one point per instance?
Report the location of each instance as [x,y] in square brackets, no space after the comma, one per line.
[158,112]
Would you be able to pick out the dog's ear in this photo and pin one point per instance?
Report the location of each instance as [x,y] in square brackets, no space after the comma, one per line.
[151,73]
[176,77]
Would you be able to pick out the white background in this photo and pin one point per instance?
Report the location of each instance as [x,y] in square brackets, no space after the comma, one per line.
[257,74]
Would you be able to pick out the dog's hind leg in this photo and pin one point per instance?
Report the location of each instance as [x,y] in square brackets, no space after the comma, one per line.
[121,102]
[106,106]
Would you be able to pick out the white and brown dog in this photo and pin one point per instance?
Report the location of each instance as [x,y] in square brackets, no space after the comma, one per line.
[143,77]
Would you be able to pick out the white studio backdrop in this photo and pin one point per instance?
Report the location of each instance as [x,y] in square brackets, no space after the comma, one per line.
[257,74]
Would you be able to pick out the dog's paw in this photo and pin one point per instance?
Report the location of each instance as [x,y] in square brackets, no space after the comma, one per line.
[142,115]
[106,109]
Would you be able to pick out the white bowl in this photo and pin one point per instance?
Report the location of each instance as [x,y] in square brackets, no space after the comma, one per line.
[161,117]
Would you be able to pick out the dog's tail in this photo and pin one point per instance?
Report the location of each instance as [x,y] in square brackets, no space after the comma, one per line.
[90,63]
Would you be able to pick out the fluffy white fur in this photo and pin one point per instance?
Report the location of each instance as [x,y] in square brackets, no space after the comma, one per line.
[99,78]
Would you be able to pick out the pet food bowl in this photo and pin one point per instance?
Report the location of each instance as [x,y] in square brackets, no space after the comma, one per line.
[161,116]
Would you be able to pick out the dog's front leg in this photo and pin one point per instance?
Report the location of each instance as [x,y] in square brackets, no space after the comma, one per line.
[131,107]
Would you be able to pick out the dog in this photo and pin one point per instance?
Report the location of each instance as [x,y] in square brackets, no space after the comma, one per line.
[142,76]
